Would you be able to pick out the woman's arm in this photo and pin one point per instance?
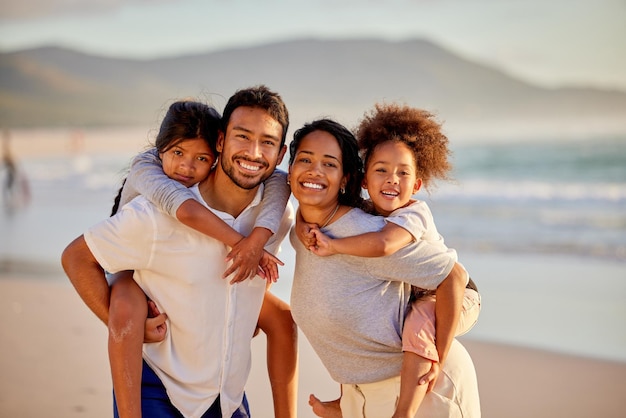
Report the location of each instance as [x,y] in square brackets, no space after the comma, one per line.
[420,264]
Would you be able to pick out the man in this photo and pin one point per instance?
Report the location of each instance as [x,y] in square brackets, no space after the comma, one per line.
[204,361]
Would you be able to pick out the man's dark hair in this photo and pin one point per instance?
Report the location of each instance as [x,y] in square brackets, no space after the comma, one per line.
[259,97]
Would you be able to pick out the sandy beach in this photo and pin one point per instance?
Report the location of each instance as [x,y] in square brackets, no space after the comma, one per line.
[54,363]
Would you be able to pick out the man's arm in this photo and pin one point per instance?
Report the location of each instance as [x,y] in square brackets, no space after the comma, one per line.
[87,277]
[419,263]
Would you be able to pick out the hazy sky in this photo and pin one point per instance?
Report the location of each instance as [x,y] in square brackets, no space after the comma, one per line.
[549,42]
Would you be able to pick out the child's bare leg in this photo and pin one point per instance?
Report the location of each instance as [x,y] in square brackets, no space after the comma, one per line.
[419,336]
[420,351]
[276,322]
[411,392]
[327,409]
[128,310]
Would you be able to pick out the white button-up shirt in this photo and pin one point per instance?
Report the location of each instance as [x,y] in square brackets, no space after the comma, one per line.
[206,351]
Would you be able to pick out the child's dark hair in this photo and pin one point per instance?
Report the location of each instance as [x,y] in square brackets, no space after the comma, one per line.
[188,120]
[184,120]
[351,161]
[414,127]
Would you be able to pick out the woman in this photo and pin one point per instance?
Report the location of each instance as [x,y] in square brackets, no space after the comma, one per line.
[351,309]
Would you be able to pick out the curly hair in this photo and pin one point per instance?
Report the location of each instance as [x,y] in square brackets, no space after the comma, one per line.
[414,127]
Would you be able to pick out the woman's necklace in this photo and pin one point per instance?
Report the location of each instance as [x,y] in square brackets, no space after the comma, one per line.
[331,216]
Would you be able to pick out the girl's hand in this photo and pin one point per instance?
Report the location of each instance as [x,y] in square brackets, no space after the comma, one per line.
[156,327]
[323,245]
[309,239]
[249,259]
[268,267]
[303,231]
[431,377]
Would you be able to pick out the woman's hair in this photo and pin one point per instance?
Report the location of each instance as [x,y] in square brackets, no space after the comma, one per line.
[351,162]
[260,97]
[183,120]
[414,127]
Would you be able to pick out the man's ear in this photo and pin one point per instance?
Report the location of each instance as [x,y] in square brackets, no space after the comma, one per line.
[220,142]
[281,155]
[417,186]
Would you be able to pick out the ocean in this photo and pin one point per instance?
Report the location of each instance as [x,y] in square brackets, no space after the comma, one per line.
[541,227]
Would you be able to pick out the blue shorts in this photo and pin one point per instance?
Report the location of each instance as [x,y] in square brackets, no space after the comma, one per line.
[156,404]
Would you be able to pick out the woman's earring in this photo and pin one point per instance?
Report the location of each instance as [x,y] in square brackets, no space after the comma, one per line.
[342,190]
[288,182]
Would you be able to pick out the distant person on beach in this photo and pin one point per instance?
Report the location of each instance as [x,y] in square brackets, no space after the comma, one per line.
[204,358]
[15,188]
[404,149]
[352,309]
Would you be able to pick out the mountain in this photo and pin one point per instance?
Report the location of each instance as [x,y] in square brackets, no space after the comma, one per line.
[341,79]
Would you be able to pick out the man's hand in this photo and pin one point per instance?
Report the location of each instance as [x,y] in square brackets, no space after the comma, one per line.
[245,255]
[156,327]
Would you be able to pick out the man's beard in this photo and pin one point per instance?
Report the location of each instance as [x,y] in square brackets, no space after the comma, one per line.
[240,179]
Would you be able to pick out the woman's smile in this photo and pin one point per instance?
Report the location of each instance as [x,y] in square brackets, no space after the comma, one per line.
[310,185]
